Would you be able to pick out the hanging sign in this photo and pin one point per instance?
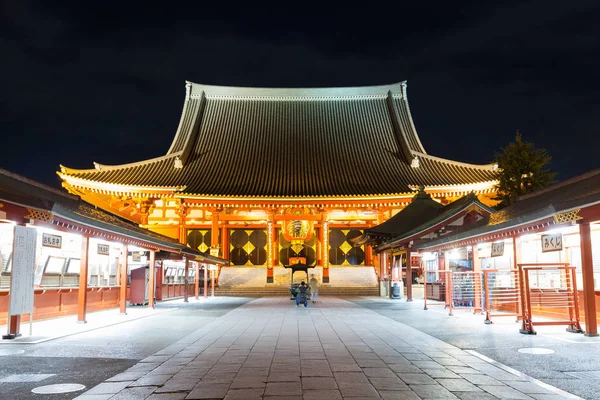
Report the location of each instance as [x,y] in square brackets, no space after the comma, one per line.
[551,242]
[23,269]
[497,249]
[214,252]
[49,240]
[103,249]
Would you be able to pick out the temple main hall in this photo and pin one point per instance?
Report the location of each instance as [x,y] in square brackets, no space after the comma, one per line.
[270,178]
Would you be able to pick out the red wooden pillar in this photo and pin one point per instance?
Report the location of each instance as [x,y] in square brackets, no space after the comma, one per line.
[270,250]
[151,280]
[587,271]
[225,242]
[205,280]
[83,277]
[212,283]
[186,280]
[325,244]
[409,274]
[196,281]
[477,280]
[123,281]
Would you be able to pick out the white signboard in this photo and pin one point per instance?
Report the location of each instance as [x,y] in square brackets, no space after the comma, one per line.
[103,249]
[22,275]
[49,240]
[497,249]
[552,242]
[212,267]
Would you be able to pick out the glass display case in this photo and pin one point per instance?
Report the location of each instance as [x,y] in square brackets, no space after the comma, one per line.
[53,270]
[71,274]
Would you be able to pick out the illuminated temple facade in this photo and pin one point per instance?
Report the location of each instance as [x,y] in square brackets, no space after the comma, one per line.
[271,177]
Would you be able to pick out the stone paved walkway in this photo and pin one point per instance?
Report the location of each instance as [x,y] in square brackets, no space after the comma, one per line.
[334,349]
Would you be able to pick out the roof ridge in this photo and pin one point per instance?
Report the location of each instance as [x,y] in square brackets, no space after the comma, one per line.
[491,166]
[560,184]
[37,184]
[102,167]
[333,91]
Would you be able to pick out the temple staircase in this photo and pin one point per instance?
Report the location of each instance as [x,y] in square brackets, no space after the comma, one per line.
[251,281]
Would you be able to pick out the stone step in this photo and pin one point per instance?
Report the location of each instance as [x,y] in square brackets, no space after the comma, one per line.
[283,291]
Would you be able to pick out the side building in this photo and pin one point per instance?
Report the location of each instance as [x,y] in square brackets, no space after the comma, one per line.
[269,178]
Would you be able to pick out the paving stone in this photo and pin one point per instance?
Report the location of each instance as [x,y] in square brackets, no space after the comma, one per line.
[177,385]
[440,373]
[394,383]
[143,367]
[209,391]
[319,383]
[463,370]
[218,378]
[528,387]
[93,397]
[422,379]
[475,396]
[504,392]
[249,383]
[283,377]
[322,395]
[398,395]
[370,363]
[360,390]
[403,368]
[546,396]
[167,396]
[416,357]
[127,376]
[432,392]
[351,377]
[349,367]
[448,361]
[458,385]
[481,379]
[134,393]
[379,372]
[244,394]
[283,389]
[108,388]
[151,380]
[427,364]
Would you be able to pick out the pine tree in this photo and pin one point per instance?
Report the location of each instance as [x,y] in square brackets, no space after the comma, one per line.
[523,169]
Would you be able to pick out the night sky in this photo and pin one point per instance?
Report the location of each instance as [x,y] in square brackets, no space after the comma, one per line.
[83,84]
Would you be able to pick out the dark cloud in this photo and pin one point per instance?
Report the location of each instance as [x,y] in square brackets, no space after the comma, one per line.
[83,83]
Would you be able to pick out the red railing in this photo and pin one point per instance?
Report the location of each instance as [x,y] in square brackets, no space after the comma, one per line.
[547,287]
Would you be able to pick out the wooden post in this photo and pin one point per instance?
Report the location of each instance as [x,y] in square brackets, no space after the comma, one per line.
[270,249]
[83,276]
[196,281]
[587,272]
[408,274]
[123,291]
[151,280]
[325,227]
[212,283]
[225,242]
[186,280]
[477,280]
[214,232]
[205,280]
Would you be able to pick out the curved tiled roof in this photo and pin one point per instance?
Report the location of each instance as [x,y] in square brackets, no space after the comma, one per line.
[319,142]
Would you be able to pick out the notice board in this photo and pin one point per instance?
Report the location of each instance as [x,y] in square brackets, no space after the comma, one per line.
[23,268]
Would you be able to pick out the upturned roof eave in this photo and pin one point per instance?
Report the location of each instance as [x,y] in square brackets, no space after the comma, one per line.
[433,223]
